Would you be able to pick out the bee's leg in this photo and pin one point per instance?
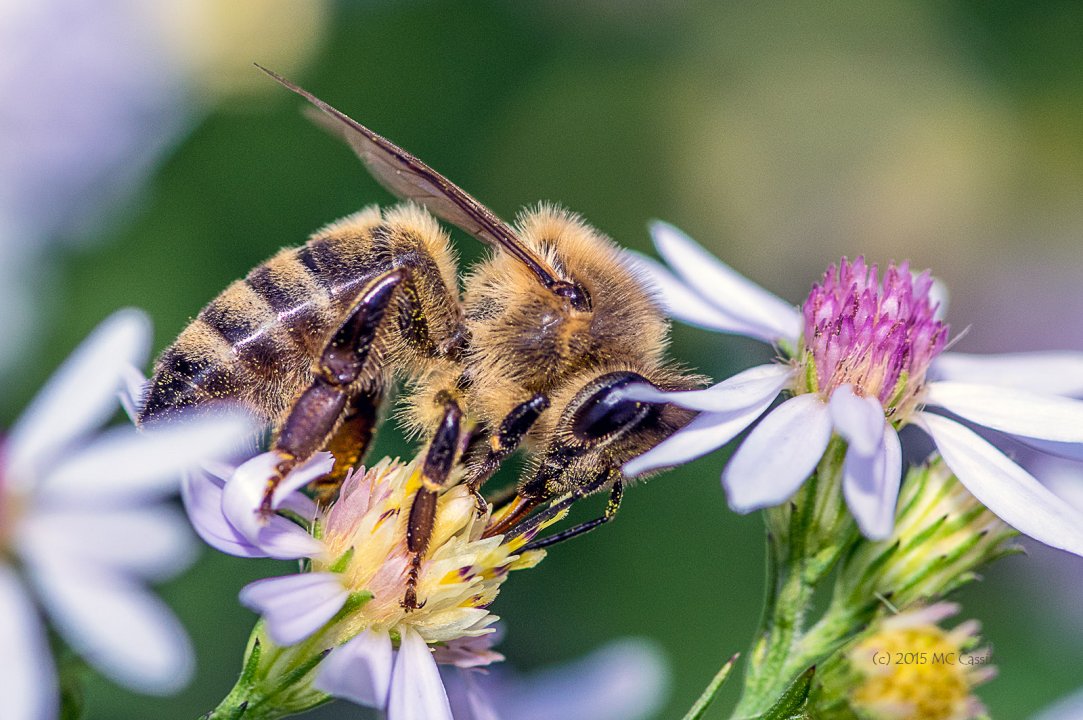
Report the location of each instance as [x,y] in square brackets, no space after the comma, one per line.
[514,527]
[317,411]
[503,443]
[350,440]
[611,507]
[439,460]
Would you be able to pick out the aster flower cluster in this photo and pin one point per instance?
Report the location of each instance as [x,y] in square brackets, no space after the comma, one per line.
[85,523]
[864,356]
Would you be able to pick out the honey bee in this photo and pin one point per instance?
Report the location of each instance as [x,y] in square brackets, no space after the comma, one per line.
[536,350]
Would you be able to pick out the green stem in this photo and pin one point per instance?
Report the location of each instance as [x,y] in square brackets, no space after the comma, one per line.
[807,538]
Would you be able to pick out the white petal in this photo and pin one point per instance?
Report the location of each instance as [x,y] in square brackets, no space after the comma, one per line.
[625,680]
[778,455]
[725,288]
[870,484]
[28,680]
[744,390]
[707,432]
[243,496]
[1018,412]
[1048,373]
[80,396]
[859,420]
[129,466]
[416,688]
[1006,489]
[683,303]
[359,670]
[295,606]
[117,626]
[152,542]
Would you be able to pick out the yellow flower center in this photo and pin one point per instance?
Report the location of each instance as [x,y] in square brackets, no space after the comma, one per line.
[917,673]
[460,573]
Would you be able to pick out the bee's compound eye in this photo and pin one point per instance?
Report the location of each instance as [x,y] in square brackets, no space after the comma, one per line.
[606,412]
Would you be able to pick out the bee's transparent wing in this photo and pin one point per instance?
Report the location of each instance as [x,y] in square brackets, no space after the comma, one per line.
[409,178]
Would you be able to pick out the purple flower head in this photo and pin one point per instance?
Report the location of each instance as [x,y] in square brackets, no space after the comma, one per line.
[860,359]
[879,338]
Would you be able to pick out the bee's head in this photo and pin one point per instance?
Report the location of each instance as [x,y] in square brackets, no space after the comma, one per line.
[599,429]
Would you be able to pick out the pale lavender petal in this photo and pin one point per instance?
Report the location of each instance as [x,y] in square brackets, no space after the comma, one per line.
[1018,412]
[1006,489]
[726,289]
[870,484]
[202,496]
[359,670]
[1046,373]
[683,303]
[28,681]
[131,391]
[859,420]
[706,432]
[151,542]
[243,496]
[295,606]
[778,455]
[315,467]
[467,697]
[279,538]
[625,680]
[79,397]
[117,626]
[1066,708]
[744,390]
[416,688]
[1069,451]
[127,466]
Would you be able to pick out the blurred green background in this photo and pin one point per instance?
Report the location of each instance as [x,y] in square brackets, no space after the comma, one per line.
[781,136]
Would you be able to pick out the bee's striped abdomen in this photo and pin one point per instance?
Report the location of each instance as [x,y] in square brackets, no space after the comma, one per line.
[255,342]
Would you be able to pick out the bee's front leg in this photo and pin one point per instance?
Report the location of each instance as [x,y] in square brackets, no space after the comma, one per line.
[439,460]
[503,442]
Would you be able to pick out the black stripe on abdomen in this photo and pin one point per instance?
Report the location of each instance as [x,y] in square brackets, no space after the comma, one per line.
[251,339]
[181,381]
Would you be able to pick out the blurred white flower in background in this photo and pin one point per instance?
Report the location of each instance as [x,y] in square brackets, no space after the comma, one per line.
[95,96]
[83,525]
[625,680]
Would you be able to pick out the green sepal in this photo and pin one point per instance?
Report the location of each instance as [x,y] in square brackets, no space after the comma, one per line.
[707,697]
[791,704]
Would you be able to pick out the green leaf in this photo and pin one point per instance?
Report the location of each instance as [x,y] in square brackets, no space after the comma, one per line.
[704,701]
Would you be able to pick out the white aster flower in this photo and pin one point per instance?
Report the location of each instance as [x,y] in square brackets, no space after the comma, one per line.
[351,596]
[861,359]
[83,525]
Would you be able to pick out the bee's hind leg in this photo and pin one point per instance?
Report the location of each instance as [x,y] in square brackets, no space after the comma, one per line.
[349,441]
[317,410]
[439,460]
